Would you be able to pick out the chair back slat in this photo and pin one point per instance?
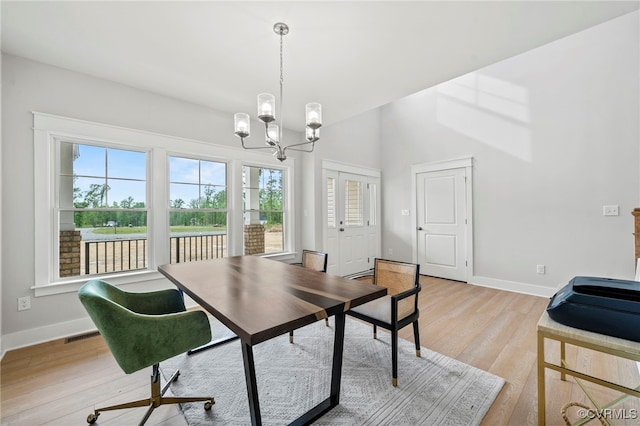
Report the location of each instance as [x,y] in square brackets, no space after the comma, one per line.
[314,260]
[397,277]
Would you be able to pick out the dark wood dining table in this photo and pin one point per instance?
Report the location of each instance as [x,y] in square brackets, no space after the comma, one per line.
[259,299]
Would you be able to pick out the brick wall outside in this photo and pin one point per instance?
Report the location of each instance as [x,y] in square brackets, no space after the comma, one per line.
[70,253]
[253,239]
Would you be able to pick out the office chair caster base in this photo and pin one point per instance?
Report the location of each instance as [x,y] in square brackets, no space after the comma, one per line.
[91,418]
[208,405]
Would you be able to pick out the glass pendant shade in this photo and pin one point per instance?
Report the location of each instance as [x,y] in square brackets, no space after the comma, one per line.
[312,135]
[273,132]
[266,107]
[242,124]
[313,112]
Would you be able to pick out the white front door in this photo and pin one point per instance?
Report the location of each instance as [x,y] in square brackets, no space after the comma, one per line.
[351,227]
[441,223]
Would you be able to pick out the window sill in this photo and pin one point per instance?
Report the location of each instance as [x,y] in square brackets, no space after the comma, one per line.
[280,256]
[74,285]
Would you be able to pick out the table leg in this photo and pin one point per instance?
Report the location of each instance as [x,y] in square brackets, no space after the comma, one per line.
[212,344]
[252,385]
[541,384]
[336,370]
[563,359]
[336,376]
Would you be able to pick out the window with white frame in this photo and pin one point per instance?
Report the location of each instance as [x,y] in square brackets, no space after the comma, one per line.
[263,199]
[353,203]
[331,203]
[97,182]
[197,209]
[102,214]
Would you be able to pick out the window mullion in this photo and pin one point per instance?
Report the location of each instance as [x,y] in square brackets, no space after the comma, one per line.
[158,202]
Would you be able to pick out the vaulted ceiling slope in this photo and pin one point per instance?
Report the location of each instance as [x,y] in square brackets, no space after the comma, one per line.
[350,56]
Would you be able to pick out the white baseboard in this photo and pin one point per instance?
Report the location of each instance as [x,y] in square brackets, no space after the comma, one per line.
[531,289]
[34,336]
[46,333]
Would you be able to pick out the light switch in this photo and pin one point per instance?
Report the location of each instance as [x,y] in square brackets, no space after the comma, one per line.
[404,212]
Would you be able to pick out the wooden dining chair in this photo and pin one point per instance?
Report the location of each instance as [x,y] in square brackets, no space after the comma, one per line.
[398,308]
[318,262]
[314,260]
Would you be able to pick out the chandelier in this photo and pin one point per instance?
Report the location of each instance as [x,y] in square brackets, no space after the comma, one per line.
[267,114]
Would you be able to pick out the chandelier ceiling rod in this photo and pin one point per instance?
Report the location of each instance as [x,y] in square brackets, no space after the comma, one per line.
[266,114]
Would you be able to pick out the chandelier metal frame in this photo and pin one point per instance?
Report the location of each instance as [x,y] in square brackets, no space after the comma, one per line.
[266,113]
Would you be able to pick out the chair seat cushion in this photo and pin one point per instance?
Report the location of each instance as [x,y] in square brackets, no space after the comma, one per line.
[380,309]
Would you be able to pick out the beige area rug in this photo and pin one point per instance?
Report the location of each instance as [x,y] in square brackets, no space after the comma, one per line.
[292,378]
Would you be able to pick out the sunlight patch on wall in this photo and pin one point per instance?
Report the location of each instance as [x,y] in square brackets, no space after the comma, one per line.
[489,110]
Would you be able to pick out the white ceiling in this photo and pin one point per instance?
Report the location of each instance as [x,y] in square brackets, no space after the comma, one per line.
[350,56]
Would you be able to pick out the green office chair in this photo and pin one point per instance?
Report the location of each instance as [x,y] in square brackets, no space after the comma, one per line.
[143,329]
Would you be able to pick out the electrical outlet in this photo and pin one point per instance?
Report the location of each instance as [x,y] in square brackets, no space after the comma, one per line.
[390,252]
[613,210]
[540,269]
[24,303]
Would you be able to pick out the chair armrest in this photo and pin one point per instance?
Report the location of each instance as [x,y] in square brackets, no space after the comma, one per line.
[397,297]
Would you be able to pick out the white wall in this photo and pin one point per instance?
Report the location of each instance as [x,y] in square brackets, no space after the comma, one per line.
[554,134]
[1,210]
[353,142]
[30,86]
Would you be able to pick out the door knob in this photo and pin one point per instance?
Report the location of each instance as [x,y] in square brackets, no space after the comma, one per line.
[341,229]
[419,228]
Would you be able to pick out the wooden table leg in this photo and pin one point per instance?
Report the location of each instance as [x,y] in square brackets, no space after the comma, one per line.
[541,384]
[252,385]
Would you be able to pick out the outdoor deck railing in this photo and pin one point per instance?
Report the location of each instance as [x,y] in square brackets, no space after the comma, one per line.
[198,247]
[104,256]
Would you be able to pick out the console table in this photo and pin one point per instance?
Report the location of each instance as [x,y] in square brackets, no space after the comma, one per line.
[550,329]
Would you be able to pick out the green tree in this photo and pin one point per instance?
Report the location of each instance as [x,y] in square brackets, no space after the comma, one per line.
[92,198]
[96,194]
[177,204]
[271,196]
[127,203]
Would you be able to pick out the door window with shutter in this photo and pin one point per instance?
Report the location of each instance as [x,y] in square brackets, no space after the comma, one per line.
[353,203]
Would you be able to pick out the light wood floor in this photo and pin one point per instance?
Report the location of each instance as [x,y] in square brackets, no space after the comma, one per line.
[59,384]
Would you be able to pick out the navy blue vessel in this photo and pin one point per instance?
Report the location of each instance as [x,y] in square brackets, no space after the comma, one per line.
[602,305]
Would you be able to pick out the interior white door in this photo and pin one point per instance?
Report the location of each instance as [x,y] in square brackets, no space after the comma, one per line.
[441,223]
